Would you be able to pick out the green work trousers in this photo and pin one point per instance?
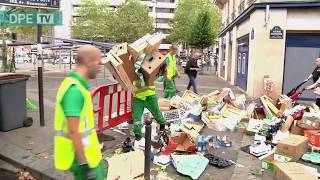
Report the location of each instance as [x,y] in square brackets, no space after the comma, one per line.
[169,89]
[80,173]
[151,103]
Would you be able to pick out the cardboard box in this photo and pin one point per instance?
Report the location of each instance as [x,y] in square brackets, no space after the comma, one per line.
[151,66]
[297,130]
[313,137]
[310,121]
[292,171]
[294,146]
[279,157]
[268,162]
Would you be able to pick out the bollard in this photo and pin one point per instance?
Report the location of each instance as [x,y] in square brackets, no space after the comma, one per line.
[147,150]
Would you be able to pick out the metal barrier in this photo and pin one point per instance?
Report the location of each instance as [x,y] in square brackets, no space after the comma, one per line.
[123,107]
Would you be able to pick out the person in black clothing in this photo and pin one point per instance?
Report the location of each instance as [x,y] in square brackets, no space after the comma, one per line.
[192,69]
[315,77]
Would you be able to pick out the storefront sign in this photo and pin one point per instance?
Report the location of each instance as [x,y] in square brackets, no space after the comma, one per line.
[276,33]
[30,18]
[53,4]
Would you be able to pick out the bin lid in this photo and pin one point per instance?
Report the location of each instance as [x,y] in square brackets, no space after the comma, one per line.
[8,76]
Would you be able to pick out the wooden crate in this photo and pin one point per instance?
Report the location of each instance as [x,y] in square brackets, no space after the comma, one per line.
[151,66]
[115,66]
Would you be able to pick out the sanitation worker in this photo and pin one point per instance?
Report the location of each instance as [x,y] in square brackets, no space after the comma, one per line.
[76,145]
[172,72]
[145,97]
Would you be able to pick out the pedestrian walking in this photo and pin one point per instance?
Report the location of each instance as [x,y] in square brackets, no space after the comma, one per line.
[192,69]
[216,64]
[172,73]
[76,145]
[316,81]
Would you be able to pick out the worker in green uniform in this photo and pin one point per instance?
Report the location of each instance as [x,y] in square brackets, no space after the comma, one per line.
[145,97]
[76,145]
[172,72]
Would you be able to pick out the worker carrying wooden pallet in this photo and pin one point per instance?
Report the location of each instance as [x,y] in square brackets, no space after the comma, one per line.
[136,67]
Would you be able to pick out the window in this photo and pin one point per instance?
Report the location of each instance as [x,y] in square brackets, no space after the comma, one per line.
[162,20]
[171,10]
[150,9]
[162,10]
[163,31]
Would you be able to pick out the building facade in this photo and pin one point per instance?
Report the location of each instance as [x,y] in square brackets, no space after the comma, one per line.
[161,10]
[275,38]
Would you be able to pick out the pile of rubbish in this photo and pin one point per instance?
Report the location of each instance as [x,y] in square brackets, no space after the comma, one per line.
[283,131]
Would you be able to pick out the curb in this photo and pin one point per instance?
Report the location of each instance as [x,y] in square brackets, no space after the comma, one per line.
[20,158]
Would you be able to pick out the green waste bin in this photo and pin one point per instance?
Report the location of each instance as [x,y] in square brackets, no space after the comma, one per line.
[13,112]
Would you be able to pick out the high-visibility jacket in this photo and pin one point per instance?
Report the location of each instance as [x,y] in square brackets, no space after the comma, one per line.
[144,91]
[64,150]
[171,65]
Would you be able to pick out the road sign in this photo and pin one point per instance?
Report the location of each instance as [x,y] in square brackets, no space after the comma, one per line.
[30,18]
[49,4]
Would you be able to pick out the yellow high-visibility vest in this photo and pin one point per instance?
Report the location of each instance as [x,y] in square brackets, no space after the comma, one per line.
[144,91]
[64,150]
[172,65]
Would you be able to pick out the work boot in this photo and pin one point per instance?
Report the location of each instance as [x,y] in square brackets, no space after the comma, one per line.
[138,137]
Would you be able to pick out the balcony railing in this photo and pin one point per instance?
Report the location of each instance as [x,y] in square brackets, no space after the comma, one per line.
[233,15]
[223,25]
[241,7]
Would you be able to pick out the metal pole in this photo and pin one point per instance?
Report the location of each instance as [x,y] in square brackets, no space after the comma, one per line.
[40,77]
[147,150]
[70,63]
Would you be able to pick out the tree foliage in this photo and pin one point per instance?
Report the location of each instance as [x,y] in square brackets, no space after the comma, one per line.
[202,32]
[98,21]
[185,20]
[132,21]
[92,23]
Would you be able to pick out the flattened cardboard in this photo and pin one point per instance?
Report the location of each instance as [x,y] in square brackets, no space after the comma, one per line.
[286,126]
[189,125]
[230,111]
[188,97]
[184,143]
[151,66]
[292,171]
[294,146]
[126,166]
[285,103]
